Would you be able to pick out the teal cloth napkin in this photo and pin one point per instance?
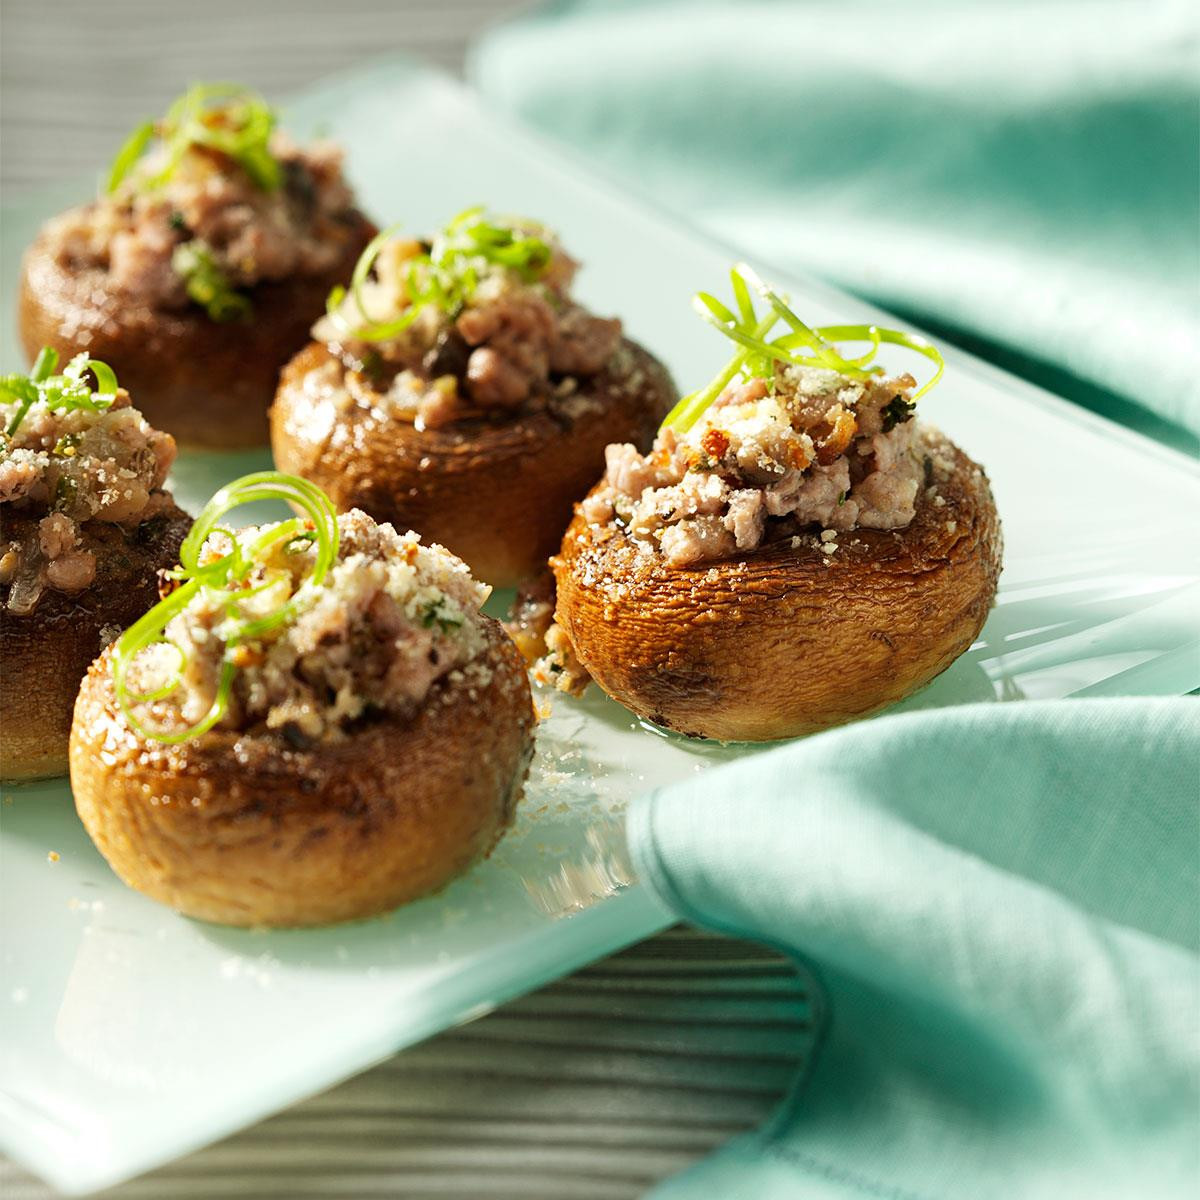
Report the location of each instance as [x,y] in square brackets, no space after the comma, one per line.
[1020,177]
[999,905]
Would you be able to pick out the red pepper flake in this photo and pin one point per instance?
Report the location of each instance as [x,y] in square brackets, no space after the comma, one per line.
[246,656]
[715,442]
[167,583]
[834,437]
[800,457]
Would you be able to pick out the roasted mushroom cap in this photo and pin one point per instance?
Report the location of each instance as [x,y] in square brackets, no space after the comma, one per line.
[498,494]
[44,655]
[244,829]
[210,384]
[795,636]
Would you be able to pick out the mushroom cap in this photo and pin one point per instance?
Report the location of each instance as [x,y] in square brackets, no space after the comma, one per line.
[241,829]
[207,383]
[789,638]
[45,654]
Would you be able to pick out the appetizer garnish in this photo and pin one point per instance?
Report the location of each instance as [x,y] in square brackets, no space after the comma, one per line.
[789,430]
[85,524]
[225,118]
[200,267]
[795,549]
[316,723]
[456,386]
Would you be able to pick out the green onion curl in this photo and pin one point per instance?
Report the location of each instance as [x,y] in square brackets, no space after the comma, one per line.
[371,330]
[445,276]
[65,392]
[227,576]
[130,152]
[801,345]
[225,117]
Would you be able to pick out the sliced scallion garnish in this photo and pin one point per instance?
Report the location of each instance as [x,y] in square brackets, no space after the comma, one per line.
[446,275]
[801,345]
[132,150]
[207,284]
[224,117]
[371,330]
[62,393]
[227,580]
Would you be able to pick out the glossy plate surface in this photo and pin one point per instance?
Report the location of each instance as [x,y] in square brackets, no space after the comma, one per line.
[129,1035]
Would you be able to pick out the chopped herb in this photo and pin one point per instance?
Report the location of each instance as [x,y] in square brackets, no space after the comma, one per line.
[447,274]
[842,498]
[66,492]
[131,150]
[437,612]
[300,542]
[67,444]
[176,221]
[207,284]
[371,365]
[896,412]
[64,392]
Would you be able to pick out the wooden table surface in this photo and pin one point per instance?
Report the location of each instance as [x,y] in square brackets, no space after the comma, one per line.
[594,1087]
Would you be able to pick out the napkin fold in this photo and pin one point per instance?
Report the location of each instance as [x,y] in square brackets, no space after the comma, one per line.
[999,906]
[1020,177]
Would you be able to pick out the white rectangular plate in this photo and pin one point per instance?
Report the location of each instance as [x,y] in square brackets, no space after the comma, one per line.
[129,1035]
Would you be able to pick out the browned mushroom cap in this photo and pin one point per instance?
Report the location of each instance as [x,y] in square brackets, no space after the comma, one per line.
[209,384]
[498,495]
[244,830]
[45,654]
[787,639]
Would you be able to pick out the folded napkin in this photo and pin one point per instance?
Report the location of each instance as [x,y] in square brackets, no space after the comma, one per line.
[999,905]
[1019,176]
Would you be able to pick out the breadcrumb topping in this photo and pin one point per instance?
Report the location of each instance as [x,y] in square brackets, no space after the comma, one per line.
[391,619]
[210,204]
[810,447]
[69,467]
[515,344]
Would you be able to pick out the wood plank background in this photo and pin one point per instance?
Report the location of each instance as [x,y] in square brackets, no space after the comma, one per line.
[594,1087]
[77,75]
[591,1089]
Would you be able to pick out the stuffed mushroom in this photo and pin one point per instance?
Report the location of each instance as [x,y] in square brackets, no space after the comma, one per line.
[199,269]
[796,550]
[85,525]
[457,388]
[316,725]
